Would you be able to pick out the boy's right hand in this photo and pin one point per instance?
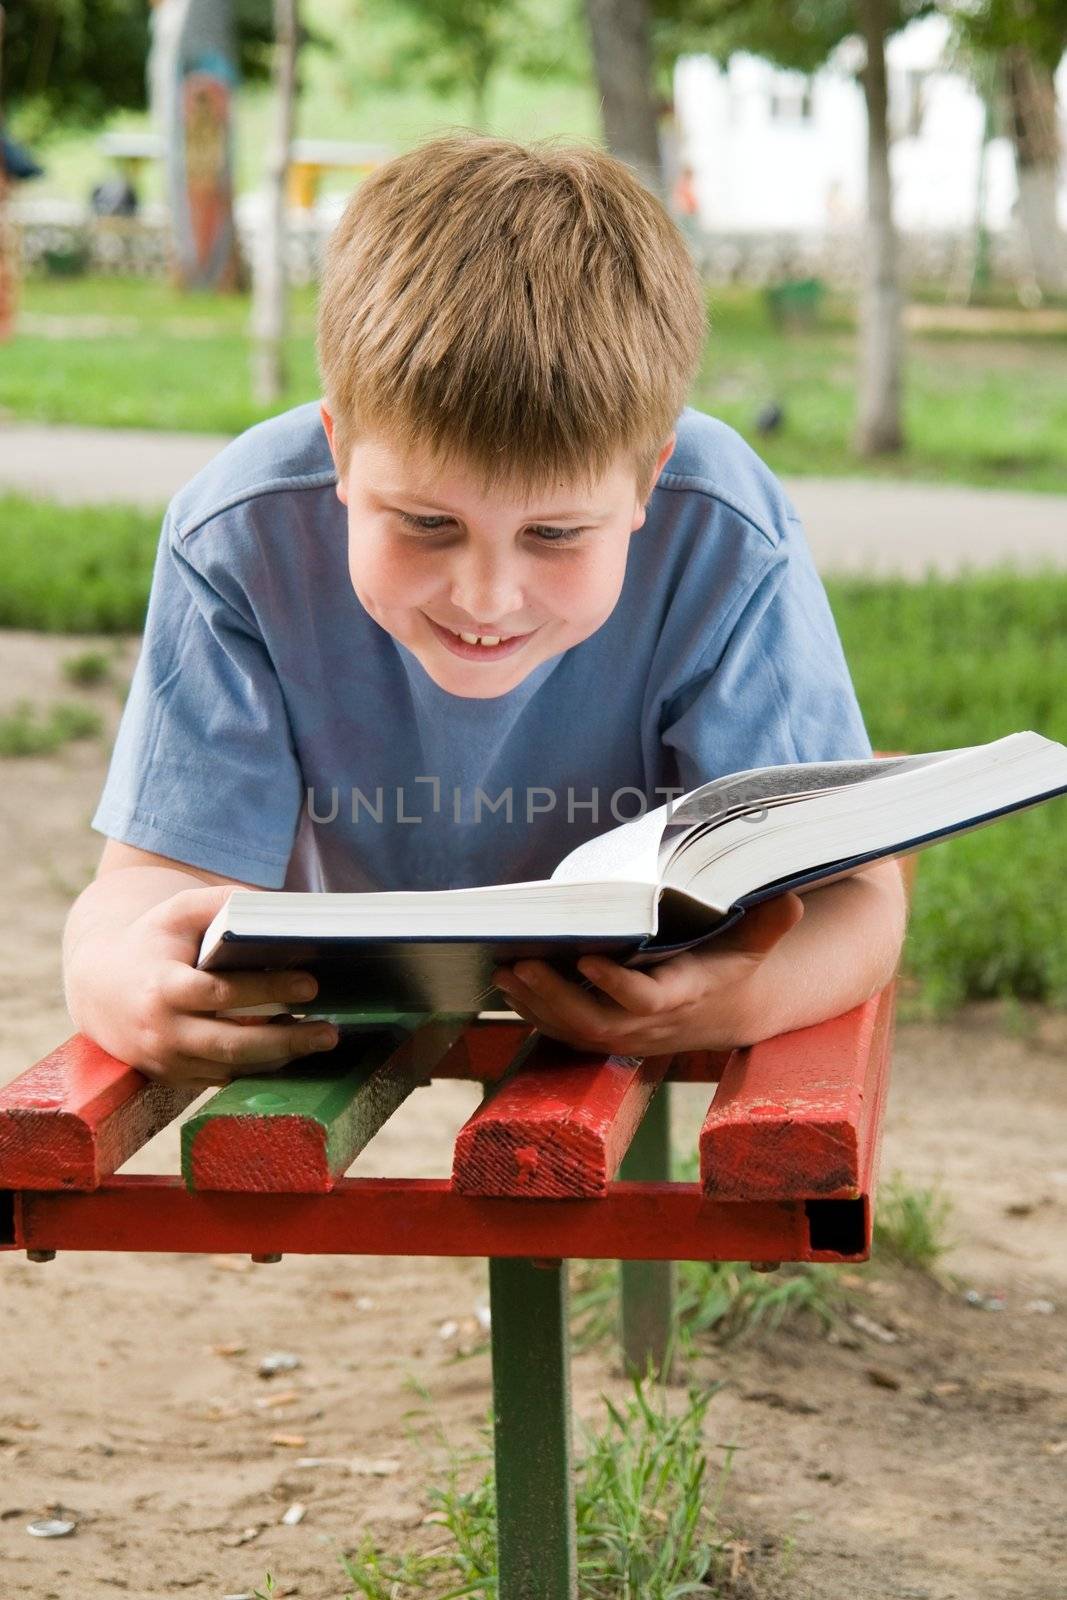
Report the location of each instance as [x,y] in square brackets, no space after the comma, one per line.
[138,994]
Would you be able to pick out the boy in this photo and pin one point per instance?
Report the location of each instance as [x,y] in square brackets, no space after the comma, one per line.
[498,594]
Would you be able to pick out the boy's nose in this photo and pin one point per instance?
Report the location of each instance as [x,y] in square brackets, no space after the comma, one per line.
[483,593]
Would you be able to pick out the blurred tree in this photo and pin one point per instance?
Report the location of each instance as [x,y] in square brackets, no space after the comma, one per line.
[80,59]
[458,46]
[621,37]
[801,34]
[269,276]
[1025,42]
[7,272]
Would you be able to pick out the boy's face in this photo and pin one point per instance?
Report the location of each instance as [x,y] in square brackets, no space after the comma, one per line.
[433,555]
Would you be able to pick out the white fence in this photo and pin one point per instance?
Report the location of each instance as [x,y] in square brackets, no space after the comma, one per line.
[63,232]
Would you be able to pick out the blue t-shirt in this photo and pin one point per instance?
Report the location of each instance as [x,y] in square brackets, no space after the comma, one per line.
[275,733]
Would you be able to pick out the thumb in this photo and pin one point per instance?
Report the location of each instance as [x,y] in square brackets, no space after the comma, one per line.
[761,928]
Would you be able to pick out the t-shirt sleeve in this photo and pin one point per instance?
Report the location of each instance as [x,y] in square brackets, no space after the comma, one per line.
[203,768]
[777,690]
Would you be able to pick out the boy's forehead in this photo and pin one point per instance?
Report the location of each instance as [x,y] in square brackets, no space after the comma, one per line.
[413,473]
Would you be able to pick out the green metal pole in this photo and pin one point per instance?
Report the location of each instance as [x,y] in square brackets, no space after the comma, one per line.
[647,1287]
[536,1534]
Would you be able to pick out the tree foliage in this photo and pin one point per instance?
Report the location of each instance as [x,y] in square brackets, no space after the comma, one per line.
[456,46]
[1037,26]
[78,60]
[794,34]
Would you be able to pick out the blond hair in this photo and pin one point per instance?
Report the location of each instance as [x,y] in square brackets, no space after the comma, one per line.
[529,311]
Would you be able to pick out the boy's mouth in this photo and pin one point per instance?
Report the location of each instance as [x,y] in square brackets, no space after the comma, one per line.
[473,648]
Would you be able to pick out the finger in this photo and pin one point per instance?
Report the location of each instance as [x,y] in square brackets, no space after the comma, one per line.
[252,1046]
[187,989]
[635,991]
[561,1003]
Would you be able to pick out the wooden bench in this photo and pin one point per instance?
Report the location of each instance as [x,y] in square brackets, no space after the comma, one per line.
[567,1155]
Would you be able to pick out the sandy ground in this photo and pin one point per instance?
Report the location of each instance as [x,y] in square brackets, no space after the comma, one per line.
[934,1465]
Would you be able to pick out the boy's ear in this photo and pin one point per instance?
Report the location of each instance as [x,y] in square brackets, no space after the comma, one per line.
[327,423]
[662,459]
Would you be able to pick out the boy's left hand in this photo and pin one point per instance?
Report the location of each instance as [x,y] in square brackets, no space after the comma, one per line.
[696,1000]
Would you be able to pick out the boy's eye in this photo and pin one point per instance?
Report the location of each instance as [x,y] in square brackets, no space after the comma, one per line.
[427,524]
[558,535]
[546,535]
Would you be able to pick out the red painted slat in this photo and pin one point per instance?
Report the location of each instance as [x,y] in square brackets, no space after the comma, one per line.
[425,1217]
[488,1049]
[485,1051]
[76,1116]
[556,1129]
[799,1116]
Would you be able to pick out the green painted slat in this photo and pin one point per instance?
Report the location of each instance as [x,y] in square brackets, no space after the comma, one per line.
[299,1129]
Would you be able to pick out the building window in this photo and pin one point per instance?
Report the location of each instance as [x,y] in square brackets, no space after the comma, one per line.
[791,102]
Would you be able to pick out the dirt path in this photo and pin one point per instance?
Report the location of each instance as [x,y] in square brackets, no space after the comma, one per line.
[129,1390]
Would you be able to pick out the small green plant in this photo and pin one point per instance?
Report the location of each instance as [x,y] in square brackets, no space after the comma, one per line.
[647,1516]
[268,1591]
[23,732]
[727,1299]
[909,1224]
[88,669]
[734,1301]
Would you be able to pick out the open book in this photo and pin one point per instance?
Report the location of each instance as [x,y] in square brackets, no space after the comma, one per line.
[664,882]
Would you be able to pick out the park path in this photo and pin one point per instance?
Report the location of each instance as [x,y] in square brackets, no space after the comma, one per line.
[853,524]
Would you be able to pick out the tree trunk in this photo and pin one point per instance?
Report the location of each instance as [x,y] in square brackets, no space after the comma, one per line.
[483,69]
[269,280]
[7,242]
[622,57]
[1031,94]
[878,424]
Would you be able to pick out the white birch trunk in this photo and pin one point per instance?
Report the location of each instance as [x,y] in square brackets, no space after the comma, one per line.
[269,276]
[878,421]
[1031,94]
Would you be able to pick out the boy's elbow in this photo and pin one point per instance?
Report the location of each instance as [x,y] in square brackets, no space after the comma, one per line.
[888,886]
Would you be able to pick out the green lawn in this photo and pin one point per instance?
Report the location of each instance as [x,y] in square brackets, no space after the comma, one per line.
[132,353]
[936,664]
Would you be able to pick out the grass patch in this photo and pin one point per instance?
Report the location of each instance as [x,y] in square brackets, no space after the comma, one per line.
[909,1224]
[89,668]
[25,732]
[952,662]
[75,569]
[989,409]
[647,1515]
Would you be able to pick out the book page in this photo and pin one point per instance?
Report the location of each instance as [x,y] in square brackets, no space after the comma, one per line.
[630,852]
[638,851]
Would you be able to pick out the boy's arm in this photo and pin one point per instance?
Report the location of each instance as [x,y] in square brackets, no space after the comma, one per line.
[789,963]
[843,949]
[129,951]
[117,894]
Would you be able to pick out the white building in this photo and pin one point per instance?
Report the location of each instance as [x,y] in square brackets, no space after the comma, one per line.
[779,152]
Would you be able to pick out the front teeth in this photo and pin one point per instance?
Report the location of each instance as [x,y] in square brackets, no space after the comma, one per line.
[476,638]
